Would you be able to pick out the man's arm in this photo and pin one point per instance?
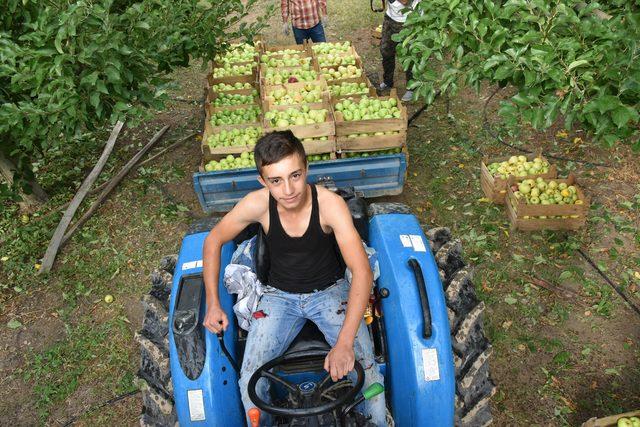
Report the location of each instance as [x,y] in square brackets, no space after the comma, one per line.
[341,358]
[323,7]
[284,7]
[244,213]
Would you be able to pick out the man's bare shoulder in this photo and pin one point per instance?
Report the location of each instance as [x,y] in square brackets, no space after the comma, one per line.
[331,205]
[254,205]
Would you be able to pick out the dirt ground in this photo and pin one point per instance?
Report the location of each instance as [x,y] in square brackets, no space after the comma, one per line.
[560,357]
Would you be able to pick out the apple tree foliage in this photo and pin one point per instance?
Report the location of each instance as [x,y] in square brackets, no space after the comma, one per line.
[71,67]
[564,59]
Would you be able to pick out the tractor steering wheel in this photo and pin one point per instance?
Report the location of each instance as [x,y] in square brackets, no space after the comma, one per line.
[308,396]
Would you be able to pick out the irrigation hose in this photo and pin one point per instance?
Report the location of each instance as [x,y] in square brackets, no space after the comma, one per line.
[102,405]
[609,281]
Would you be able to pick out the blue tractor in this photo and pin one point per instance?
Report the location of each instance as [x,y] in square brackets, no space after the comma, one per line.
[426,328]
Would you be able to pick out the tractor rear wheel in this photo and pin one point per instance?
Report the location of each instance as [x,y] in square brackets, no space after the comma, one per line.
[471,349]
[154,375]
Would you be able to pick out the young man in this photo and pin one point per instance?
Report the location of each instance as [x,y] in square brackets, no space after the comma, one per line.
[308,18]
[394,19]
[301,222]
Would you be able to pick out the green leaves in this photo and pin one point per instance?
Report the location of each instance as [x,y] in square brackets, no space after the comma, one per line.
[70,66]
[561,61]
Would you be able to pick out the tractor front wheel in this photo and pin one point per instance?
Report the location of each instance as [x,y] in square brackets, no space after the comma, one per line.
[154,375]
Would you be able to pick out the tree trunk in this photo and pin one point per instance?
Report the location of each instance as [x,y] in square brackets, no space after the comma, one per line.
[29,201]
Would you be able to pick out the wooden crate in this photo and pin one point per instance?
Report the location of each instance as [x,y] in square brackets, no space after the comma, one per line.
[262,70]
[495,188]
[348,79]
[326,128]
[303,48]
[518,209]
[208,127]
[320,147]
[325,103]
[371,142]
[218,157]
[253,78]
[212,96]
[610,421]
[209,153]
[220,64]
[350,52]
[311,44]
[346,128]
[267,103]
[362,79]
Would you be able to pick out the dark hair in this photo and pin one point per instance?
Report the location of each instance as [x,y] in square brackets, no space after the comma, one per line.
[275,146]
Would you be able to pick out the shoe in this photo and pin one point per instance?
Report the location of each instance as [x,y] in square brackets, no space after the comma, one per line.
[408,96]
[384,86]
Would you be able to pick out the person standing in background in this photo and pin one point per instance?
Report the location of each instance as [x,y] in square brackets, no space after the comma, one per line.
[394,19]
[308,18]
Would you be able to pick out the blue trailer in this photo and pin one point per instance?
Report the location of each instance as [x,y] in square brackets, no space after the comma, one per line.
[377,176]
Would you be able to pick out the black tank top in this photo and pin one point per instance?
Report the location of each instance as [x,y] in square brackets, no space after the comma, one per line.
[302,264]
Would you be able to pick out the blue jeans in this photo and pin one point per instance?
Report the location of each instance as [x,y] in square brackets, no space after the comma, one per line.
[286,314]
[316,34]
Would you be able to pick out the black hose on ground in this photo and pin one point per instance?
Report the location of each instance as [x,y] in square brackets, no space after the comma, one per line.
[102,405]
[609,281]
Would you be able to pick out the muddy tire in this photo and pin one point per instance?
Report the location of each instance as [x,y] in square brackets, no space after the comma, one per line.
[471,349]
[154,375]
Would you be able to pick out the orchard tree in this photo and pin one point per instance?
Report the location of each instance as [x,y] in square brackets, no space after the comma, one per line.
[68,67]
[566,59]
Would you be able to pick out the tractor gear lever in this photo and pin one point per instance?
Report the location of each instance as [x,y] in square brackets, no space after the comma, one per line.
[233,363]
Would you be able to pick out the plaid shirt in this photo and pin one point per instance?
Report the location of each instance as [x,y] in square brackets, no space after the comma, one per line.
[304,14]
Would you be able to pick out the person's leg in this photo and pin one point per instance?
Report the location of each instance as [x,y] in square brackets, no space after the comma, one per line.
[269,337]
[327,310]
[317,33]
[388,51]
[299,35]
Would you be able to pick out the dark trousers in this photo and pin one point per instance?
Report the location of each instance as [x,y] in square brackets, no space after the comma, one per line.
[388,50]
[316,34]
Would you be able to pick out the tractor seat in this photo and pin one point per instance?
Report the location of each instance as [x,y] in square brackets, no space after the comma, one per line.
[309,338]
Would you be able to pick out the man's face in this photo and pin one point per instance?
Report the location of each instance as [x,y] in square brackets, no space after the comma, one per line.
[286,180]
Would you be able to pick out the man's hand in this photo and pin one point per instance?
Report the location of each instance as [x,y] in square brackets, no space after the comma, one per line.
[339,362]
[216,319]
[286,28]
[325,21]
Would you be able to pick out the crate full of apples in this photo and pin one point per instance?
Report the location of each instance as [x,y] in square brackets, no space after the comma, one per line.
[551,204]
[366,115]
[495,173]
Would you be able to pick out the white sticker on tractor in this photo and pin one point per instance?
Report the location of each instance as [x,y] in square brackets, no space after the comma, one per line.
[418,243]
[191,265]
[196,405]
[430,364]
[406,240]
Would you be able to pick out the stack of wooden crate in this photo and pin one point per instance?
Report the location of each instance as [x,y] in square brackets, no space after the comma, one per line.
[296,87]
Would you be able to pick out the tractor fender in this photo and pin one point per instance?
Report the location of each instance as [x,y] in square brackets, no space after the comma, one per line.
[212,398]
[420,369]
